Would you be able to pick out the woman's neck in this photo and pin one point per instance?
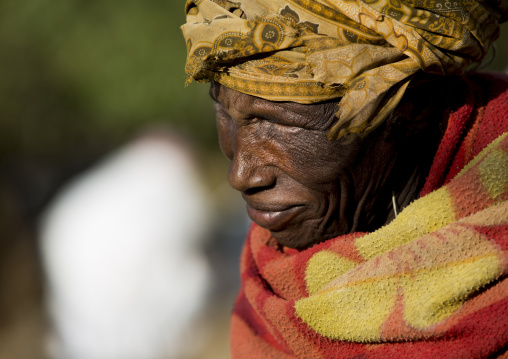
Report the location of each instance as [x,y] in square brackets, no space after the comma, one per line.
[401,156]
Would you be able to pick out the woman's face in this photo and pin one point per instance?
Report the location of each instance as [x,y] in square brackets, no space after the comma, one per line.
[297,183]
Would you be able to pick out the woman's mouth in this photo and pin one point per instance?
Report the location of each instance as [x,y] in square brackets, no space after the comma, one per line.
[272,217]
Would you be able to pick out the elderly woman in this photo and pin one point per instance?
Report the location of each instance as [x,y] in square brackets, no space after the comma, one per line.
[375,171]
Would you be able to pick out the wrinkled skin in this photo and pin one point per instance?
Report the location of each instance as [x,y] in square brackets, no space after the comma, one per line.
[305,188]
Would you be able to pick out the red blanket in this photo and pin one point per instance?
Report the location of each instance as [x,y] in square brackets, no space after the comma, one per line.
[431,284]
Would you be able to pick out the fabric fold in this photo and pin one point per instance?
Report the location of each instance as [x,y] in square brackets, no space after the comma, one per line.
[364,52]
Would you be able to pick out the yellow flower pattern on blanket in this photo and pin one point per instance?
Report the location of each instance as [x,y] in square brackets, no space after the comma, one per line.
[410,268]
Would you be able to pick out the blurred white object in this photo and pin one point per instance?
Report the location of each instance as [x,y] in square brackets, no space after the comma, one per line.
[120,248]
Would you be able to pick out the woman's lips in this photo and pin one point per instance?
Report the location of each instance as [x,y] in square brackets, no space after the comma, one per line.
[272,217]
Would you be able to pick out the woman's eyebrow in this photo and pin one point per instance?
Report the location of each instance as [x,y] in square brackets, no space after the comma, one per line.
[214,91]
[211,93]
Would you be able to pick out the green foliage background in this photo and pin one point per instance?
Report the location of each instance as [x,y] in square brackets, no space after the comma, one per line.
[75,74]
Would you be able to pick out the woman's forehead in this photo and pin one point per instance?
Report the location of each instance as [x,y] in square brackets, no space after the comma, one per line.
[231,97]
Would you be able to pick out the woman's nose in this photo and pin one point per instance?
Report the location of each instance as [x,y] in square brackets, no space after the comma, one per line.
[249,171]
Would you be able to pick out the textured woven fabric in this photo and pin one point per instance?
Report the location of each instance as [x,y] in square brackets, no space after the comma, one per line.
[365,51]
[431,284]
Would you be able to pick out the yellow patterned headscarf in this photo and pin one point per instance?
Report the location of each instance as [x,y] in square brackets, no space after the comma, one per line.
[365,51]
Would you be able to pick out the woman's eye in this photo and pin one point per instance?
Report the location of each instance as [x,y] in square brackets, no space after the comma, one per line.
[277,122]
[217,106]
[282,125]
[220,112]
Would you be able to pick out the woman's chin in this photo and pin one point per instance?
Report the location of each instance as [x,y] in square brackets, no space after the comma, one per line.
[305,235]
[297,238]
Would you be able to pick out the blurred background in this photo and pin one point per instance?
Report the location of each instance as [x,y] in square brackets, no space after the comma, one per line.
[96,132]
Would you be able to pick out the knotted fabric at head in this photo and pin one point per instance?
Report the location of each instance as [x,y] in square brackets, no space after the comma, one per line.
[365,51]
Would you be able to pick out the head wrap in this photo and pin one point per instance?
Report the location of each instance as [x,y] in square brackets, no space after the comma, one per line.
[364,51]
